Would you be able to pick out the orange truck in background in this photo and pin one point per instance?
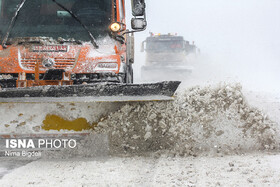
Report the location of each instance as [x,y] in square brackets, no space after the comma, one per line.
[167,56]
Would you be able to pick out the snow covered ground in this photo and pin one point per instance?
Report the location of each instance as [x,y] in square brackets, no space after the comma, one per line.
[226,166]
[256,169]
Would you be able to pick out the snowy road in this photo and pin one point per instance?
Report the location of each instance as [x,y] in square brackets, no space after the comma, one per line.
[240,170]
[7,165]
[260,168]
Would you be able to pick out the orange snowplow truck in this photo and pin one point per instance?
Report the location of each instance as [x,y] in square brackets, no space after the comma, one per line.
[71,48]
[67,42]
[55,52]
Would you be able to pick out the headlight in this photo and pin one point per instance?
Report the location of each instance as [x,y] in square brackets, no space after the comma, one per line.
[115,27]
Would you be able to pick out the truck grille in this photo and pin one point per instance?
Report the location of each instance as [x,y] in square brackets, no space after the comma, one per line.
[60,63]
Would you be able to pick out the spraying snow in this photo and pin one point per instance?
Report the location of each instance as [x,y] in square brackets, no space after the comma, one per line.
[106,44]
[201,120]
[215,118]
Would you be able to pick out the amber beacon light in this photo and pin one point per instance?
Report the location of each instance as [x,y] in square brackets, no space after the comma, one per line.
[115,27]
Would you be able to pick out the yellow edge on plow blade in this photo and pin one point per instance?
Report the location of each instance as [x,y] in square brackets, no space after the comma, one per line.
[55,118]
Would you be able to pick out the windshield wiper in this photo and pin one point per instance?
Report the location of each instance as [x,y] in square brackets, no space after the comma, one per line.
[77,19]
[12,24]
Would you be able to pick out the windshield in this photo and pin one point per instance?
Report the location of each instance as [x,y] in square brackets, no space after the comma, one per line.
[44,18]
[165,46]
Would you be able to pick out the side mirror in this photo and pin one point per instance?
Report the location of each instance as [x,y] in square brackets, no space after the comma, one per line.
[138,7]
[138,23]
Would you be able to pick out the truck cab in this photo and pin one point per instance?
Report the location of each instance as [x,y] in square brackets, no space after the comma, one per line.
[65,42]
[166,54]
[166,49]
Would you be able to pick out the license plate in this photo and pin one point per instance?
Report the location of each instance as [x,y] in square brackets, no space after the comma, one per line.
[49,48]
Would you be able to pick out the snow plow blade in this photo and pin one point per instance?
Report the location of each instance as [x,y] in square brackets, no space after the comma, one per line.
[98,92]
[71,112]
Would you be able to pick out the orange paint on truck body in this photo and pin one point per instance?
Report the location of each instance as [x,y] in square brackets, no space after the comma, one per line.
[77,59]
[18,59]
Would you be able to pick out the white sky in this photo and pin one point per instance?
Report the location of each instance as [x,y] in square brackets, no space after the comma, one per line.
[241,36]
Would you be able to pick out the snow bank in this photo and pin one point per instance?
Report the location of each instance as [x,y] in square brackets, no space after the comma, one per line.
[211,119]
[245,170]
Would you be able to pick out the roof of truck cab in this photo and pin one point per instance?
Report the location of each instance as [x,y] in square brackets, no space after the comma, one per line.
[164,37]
